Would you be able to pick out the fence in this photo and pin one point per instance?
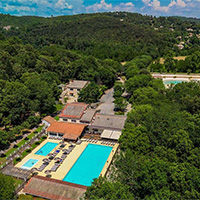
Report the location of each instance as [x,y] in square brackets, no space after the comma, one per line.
[12,156]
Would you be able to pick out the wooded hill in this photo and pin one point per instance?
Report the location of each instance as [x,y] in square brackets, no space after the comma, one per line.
[120,35]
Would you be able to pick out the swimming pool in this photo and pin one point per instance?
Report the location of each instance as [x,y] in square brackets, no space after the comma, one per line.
[167,82]
[46,149]
[29,164]
[89,165]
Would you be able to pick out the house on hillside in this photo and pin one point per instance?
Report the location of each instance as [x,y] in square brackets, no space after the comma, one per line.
[7,28]
[77,113]
[74,87]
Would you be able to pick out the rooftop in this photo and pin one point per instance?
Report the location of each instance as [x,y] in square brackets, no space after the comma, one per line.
[74,110]
[109,134]
[49,119]
[71,131]
[49,188]
[16,172]
[76,84]
[88,115]
[110,122]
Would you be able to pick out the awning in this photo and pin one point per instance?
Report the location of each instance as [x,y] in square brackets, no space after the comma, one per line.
[109,134]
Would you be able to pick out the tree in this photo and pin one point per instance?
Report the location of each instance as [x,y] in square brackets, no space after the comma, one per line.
[90,94]
[6,187]
[120,104]
[103,189]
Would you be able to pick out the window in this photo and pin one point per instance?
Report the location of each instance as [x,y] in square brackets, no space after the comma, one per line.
[73,120]
[71,89]
[53,134]
[71,95]
[78,89]
[65,120]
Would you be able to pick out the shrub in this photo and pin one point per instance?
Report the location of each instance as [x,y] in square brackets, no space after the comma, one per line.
[37,143]
[3,155]
[18,159]
[26,138]
[28,150]
[15,146]
[44,137]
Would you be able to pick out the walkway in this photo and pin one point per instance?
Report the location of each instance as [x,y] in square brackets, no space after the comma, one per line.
[107,105]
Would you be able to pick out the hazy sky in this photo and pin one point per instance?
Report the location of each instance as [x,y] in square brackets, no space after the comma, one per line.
[189,8]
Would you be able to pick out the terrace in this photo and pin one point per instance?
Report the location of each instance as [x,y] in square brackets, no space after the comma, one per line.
[63,157]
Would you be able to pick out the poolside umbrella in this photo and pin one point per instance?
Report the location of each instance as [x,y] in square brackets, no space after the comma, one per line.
[35,173]
[48,175]
[51,157]
[46,163]
[47,172]
[45,160]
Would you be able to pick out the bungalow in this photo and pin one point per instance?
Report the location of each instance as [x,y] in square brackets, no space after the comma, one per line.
[68,131]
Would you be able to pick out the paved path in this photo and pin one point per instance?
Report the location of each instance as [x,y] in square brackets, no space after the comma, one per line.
[107,105]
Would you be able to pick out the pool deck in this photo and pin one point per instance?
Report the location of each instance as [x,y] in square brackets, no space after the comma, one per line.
[69,160]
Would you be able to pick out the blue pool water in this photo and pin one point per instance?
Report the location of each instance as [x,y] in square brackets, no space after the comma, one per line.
[172,81]
[89,165]
[29,164]
[46,149]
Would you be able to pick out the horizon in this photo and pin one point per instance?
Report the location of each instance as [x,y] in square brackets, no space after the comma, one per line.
[47,8]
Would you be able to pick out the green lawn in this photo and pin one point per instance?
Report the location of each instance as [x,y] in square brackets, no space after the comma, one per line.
[56,118]
[34,145]
[30,136]
[59,107]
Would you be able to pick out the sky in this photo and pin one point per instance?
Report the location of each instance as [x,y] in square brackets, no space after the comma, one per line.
[188,8]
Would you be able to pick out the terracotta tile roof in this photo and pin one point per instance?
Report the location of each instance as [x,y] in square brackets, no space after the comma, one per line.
[49,119]
[49,188]
[71,131]
[74,110]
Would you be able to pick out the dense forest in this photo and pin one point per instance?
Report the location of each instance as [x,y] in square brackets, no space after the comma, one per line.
[160,144]
[160,154]
[120,36]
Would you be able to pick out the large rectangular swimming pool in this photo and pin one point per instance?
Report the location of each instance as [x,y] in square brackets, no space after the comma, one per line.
[29,164]
[46,149]
[89,165]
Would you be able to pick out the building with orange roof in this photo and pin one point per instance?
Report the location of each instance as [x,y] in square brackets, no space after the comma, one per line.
[68,131]
[48,120]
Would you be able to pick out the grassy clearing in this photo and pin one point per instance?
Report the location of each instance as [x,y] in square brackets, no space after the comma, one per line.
[22,142]
[56,118]
[162,60]
[26,152]
[59,107]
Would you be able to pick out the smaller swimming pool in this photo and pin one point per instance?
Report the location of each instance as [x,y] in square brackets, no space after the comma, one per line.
[167,82]
[29,164]
[46,149]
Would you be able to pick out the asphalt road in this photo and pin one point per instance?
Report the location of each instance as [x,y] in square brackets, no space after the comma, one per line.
[107,105]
